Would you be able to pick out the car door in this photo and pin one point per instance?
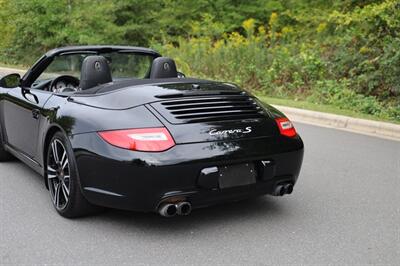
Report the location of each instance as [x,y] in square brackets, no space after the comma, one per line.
[21,118]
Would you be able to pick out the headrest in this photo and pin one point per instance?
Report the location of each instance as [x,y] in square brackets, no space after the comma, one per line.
[94,71]
[163,67]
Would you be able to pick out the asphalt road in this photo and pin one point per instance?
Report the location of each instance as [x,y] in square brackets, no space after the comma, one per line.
[344,210]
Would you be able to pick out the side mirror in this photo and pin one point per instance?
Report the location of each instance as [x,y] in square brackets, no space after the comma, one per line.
[181,75]
[10,81]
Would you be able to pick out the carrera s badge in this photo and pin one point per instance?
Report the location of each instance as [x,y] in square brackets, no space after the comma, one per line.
[214,132]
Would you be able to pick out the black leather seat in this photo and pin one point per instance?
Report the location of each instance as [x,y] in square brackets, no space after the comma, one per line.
[163,67]
[95,71]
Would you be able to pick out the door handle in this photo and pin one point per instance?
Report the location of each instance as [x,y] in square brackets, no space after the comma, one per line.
[35,113]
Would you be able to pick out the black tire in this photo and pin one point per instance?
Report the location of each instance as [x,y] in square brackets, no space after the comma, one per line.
[4,155]
[70,202]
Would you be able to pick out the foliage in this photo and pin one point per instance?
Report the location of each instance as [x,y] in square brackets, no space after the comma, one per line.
[342,53]
[346,57]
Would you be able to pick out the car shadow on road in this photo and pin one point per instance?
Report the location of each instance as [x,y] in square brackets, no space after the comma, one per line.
[213,216]
[266,207]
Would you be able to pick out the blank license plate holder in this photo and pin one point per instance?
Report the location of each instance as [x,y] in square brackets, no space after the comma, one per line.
[237,175]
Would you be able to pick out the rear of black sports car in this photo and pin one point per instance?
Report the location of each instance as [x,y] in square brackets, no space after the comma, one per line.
[187,146]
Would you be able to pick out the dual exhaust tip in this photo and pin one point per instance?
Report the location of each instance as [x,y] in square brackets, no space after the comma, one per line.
[185,208]
[283,189]
[172,209]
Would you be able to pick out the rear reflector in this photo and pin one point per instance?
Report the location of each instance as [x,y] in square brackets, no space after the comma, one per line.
[286,127]
[143,139]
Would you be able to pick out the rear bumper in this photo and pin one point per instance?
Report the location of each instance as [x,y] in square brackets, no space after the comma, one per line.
[124,179]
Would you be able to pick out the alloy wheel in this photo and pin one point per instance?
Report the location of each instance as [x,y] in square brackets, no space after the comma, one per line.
[58,174]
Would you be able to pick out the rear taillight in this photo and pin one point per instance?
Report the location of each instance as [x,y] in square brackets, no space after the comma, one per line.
[143,139]
[286,127]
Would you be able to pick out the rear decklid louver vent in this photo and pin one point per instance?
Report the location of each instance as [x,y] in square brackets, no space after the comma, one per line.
[207,109]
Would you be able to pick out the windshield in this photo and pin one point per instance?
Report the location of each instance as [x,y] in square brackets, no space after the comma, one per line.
[122,65]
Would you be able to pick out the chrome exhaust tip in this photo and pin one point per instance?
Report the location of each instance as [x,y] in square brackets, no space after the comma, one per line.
[167,210]
[288,189]
[282,189]
[279,190]
[184,208]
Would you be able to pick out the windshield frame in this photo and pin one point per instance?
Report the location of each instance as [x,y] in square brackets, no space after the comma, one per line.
[135,65]
[41,64]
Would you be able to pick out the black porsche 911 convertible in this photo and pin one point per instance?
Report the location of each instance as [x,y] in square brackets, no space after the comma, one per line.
[119,127]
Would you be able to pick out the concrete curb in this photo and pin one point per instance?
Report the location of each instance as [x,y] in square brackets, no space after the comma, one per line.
[363,126]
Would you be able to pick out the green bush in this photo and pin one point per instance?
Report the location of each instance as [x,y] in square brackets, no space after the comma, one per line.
[351,60]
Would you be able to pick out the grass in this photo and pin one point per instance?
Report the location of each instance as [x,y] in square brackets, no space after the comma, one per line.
[321,108]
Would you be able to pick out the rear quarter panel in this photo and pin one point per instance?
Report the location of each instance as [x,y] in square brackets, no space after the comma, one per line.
[77,118]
